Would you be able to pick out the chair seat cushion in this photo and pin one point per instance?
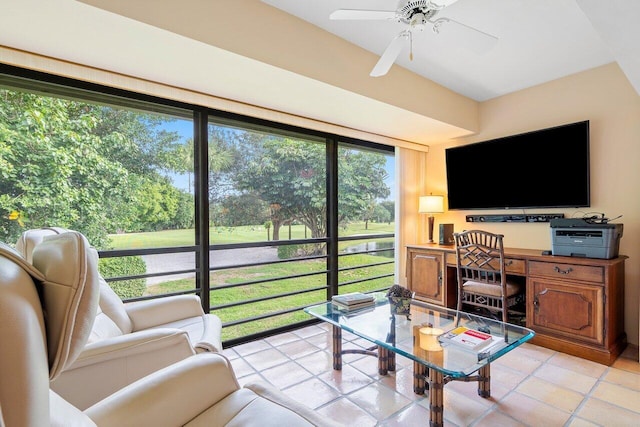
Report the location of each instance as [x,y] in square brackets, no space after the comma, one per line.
[205,331]
[103,328]
[244,408]
[491,290]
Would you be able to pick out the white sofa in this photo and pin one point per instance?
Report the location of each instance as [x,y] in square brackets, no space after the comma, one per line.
[130,340]
[47,311]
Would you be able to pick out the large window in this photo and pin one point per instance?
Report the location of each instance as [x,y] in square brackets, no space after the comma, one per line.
[365,218]
[267,219]
[258,218]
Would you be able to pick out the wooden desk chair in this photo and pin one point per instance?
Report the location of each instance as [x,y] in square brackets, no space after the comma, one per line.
[482,281]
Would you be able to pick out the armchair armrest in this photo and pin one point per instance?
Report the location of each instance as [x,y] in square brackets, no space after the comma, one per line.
[146,343]
[172,396]
[210,340]
[151,313]
[110,364]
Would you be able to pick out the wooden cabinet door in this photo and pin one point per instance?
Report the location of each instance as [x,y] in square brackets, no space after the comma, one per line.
[570,310]
[425,270]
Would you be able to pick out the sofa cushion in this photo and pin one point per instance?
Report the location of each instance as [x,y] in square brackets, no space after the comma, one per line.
[103,328]
[112,306]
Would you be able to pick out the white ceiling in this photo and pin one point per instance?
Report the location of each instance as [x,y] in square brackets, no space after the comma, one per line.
[538,41]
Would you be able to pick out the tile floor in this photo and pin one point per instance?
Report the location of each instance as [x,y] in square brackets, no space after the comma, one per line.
[530,386]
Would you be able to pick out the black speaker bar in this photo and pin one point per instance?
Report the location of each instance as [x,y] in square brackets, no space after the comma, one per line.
[514,218]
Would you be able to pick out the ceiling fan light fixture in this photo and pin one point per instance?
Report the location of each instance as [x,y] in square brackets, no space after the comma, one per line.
[418,22]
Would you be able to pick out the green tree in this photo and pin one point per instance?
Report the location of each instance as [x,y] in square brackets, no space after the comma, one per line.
[381,214]
[390,206]
[242,209]
[54,172]
[290,175]
[223,155]
[361,183]
[79,166]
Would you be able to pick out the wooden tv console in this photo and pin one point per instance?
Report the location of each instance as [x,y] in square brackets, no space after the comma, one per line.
[575,305]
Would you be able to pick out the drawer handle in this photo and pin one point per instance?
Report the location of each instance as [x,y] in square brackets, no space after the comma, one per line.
[558,270]
[508,263]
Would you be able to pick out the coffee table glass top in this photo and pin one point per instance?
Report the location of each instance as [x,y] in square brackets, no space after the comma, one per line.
[420,336]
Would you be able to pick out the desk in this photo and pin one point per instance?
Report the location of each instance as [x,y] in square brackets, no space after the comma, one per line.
[575,305]
[435,361]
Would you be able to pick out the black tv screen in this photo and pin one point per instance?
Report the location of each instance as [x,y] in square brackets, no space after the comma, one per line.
[547,168]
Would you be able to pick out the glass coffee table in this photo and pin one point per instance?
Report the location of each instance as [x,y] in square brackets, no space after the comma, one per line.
[421,335]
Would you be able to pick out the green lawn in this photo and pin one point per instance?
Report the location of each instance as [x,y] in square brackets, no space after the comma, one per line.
[220,235]
[221,296]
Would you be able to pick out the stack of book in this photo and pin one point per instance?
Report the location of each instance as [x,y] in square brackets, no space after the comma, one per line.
[352,301]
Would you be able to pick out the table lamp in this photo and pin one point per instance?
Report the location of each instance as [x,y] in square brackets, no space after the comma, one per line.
[431,205]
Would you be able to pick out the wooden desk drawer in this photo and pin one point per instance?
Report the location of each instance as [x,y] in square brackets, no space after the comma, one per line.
[515,266]
[556,270]
[512,265]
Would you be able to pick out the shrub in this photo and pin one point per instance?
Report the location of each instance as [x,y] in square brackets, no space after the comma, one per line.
[125,266]
[294,251]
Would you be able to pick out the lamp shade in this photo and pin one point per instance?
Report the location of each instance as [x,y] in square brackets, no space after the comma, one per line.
[429,339]
[431,204]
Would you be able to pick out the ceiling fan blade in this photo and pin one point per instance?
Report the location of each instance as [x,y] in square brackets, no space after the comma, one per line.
[469,37]
[389,56]
[362,14]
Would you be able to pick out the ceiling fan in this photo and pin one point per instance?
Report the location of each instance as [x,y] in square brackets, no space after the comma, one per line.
[416,14]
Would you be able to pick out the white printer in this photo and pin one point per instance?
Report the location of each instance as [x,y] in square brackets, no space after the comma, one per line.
[580,237]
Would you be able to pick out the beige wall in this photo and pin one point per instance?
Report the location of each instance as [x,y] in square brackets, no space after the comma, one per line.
[605,97]
[411,168]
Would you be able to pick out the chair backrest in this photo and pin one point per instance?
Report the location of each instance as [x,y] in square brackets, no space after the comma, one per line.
[47,309]
[24,370]
[480,258]
[29,239]
[112,319]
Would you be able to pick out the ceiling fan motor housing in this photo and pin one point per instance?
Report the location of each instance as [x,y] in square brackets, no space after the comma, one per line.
[417,12]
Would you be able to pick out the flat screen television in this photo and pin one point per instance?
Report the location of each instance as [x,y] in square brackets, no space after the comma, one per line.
[547,168]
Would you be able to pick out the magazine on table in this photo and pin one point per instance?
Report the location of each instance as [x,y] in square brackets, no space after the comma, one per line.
[471,339]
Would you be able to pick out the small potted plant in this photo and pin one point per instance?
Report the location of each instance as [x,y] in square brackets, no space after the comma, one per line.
[400,300]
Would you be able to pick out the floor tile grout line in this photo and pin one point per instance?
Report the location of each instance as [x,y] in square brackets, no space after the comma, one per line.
[493,408]
[602,380]
[588,395]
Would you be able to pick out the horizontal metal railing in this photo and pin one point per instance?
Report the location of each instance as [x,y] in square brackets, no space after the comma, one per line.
[259,281]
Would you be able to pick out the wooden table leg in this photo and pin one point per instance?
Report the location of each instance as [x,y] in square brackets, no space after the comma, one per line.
[419,374]
[391,339]
[383,360]
[484,381]
[337,347]
[436,398]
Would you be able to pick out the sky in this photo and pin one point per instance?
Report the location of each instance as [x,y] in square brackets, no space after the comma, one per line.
[185,130]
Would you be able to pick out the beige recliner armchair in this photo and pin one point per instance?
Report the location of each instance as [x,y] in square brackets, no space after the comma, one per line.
[47,312]
[130,340]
